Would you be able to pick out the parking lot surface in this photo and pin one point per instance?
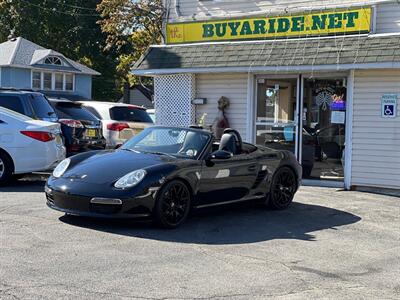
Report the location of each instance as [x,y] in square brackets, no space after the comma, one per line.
[330,244]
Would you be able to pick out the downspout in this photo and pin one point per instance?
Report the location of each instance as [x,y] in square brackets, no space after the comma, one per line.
[177,9]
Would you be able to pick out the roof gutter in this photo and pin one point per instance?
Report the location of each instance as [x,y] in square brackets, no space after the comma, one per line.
[255,69]
[95,73]
[272,41]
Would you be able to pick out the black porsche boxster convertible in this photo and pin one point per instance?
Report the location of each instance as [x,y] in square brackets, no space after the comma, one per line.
[163,172]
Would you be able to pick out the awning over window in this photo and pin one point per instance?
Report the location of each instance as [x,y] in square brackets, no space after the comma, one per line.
[344,52]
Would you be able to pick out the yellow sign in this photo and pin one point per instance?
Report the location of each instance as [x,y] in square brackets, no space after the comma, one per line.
[313,24]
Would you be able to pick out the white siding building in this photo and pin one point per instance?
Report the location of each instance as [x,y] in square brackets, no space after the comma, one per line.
[319,78]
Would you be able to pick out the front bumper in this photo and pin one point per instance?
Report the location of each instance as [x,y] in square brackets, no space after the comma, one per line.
[137,207]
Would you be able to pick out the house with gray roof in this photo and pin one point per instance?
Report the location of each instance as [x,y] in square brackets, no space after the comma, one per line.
[26,65]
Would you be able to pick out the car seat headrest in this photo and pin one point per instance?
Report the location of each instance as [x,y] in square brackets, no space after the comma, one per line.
[228,143]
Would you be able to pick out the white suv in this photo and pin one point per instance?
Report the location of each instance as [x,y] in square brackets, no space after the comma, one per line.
[27,145]
[120,121]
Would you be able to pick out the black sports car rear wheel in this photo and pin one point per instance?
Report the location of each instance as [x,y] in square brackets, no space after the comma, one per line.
[283,188]
[173,204]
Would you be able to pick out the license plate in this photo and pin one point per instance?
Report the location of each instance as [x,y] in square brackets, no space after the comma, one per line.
[137,131]
[91,132]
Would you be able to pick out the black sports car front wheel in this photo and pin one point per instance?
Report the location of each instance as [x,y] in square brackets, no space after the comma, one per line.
[173,204]
[283,188]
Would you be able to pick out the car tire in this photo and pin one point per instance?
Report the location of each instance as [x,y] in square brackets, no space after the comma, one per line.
[283,188]
[6,169]
[173,204]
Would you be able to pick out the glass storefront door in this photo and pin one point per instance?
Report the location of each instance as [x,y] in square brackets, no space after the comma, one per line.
[324,119]
[276,122]
[316,135]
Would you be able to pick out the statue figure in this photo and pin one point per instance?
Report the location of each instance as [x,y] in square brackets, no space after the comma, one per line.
[221,122]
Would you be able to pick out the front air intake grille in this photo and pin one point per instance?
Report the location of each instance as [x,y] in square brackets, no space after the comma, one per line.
[50,199]
[260,177]
[105,208]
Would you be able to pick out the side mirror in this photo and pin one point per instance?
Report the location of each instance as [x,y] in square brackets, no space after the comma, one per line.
[220,154]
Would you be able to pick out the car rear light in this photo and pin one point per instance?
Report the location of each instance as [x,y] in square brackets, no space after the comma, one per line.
[117,126]
[39,135]
[71,123]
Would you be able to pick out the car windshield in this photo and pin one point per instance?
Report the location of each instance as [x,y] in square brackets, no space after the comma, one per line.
[178,142]
[130,114]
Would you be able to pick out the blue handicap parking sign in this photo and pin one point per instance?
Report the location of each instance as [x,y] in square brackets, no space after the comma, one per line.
[389,105]
[389,110]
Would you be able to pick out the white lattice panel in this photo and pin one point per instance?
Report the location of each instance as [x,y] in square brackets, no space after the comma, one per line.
[173,96]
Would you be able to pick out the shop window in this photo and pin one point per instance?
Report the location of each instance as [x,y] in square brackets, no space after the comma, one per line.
[324,119]
[276,104]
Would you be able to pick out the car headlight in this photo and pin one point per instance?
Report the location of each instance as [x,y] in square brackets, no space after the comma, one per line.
[61,168]
[131,179]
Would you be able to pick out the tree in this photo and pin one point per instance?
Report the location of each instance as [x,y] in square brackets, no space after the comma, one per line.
[69,27]
[131,27]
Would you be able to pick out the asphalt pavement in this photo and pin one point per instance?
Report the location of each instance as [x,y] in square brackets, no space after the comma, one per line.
[330,244]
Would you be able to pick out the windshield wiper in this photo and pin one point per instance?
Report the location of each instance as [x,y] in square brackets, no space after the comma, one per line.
[145,151]
[130,150]
[157,153]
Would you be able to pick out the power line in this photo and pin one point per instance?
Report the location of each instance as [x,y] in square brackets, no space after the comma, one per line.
[73,6]
[54,10]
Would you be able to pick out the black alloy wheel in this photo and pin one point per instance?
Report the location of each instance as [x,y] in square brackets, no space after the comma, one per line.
[173,204]
[283,188]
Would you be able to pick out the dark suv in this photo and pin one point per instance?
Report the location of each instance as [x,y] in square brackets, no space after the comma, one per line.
[81,129]
[31,104]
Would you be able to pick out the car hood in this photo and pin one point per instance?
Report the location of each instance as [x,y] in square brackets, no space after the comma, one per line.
[108,166]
